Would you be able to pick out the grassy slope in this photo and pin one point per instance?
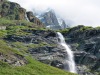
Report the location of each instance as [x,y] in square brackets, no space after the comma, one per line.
[32,68]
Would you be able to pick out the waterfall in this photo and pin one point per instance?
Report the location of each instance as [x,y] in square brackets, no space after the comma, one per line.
[27,17]
[70,58]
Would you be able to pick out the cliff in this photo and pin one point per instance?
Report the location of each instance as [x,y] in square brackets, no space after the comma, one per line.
[84,40]
[12,11]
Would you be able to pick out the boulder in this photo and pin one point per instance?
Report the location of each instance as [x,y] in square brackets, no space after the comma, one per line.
[57,64]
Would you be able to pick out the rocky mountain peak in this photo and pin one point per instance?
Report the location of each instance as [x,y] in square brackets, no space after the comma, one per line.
[51,20]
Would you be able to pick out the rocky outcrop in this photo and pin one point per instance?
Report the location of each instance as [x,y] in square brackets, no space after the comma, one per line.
[57,64]
[15,60]
[11,10]
[45,47]
[85,41]
[14,11]
[49,18]
[51,21]
[83,70]
[34,19]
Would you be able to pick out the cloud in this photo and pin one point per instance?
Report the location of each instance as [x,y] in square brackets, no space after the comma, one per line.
[84,12]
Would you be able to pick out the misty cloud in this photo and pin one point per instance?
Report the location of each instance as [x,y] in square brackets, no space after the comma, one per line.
[78,12]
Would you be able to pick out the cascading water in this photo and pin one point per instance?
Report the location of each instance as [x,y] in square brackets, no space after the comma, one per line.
[26,17]
[70,58]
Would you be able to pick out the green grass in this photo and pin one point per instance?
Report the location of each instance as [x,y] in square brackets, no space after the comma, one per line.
[32,68]
[6,22]
[6,50]
[3,33]
[9,49]
[63,31]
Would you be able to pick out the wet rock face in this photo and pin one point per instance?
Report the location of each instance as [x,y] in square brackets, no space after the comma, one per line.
[85,42]
[83,70]
[48,52]
[87,51]
[11,10]
[53,56]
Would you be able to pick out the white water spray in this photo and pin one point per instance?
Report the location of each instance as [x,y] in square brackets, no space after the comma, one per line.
[70,61]
[27,18]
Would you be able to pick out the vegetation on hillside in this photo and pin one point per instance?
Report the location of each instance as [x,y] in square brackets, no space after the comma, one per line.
[19,36]
[10,49]
[33,67]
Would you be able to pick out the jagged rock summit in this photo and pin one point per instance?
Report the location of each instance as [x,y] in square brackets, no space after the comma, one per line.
[52,21]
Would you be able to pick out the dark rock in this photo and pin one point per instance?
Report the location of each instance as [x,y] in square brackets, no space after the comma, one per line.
[87,52]
[97,66]
[57,64]
[79,55]
[83,70]
[51,34]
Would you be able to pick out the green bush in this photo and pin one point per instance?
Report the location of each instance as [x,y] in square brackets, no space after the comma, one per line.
[3,33]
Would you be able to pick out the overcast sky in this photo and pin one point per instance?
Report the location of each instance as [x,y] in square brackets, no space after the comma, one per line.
[79,12]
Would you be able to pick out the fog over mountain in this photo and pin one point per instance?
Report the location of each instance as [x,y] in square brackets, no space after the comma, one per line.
[77,12]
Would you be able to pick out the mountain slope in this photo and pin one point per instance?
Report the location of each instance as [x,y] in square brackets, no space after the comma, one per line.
[14,56]
[32,68]
[22,41]
[16,39]
[51,21]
